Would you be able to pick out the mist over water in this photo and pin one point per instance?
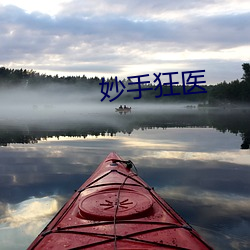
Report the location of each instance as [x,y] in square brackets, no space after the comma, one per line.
[53,102]
[56,110]
[61,103]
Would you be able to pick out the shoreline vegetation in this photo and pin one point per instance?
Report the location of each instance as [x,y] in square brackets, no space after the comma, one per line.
[225,94]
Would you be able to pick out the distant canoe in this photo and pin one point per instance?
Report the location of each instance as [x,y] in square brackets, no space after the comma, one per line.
[125,110]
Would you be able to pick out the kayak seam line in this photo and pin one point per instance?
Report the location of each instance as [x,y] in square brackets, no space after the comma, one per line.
[114,170]
[120,222]
[99,178]
[110,184]
[121,236]
[128,237]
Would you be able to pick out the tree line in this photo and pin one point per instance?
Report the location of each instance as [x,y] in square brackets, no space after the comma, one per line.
[235,91]
[31,79]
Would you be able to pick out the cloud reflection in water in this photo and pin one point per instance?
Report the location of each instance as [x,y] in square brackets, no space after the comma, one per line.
[199,171]
[21,222]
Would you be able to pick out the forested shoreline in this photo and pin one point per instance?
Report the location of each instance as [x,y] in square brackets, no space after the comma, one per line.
[224,93]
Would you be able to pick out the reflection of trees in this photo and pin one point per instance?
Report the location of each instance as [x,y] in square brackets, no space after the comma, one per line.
[237,122]
[222,120]
[16,137]
[246,140]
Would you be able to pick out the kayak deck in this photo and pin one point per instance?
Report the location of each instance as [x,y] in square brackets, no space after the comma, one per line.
[116,209]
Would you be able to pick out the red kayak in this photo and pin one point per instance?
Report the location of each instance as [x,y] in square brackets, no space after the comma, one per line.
[116,209]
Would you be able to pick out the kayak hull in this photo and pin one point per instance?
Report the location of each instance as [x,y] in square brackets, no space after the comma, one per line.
[116,209]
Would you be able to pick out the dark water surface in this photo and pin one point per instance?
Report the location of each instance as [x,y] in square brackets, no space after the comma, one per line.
[194,159]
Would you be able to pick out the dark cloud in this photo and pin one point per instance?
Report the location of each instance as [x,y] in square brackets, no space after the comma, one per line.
[221,30]
[225,31]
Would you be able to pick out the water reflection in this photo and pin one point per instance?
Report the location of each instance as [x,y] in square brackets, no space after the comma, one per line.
[31,210]
[20,222]
[111,123]
[200,171]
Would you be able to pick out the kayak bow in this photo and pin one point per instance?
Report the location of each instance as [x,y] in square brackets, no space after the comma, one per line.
[116,209]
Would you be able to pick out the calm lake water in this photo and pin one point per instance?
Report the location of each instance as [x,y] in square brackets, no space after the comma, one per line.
[197,160]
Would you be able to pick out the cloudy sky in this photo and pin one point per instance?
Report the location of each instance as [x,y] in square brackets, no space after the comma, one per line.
[126,38]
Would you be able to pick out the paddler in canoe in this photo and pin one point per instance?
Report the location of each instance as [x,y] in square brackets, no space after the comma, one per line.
[124,109]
